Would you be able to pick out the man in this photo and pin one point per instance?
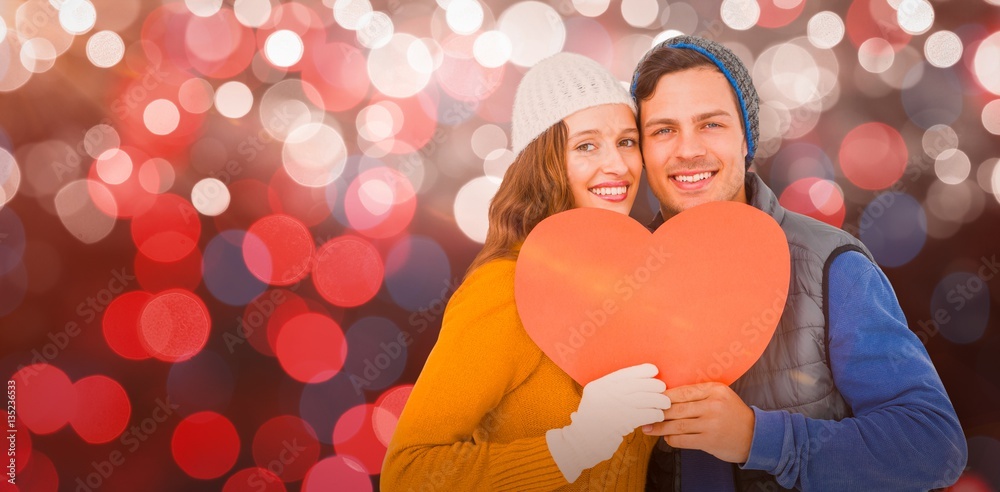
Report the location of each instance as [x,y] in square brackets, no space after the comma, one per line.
[844,397]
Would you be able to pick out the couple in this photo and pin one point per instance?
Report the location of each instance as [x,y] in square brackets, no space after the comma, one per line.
[844,397]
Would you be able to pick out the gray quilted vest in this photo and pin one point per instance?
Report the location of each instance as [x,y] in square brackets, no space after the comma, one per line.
[794,372]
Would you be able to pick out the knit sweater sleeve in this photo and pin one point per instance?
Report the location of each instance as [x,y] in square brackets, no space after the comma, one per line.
[442,437]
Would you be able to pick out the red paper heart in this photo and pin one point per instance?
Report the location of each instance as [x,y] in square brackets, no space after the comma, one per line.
[700,297]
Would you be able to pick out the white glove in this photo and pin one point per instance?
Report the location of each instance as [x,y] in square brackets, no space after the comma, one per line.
[611,407]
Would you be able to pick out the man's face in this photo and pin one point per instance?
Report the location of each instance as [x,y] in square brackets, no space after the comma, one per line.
[693,141]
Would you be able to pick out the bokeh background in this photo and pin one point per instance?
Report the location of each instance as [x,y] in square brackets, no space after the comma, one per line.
[228,230]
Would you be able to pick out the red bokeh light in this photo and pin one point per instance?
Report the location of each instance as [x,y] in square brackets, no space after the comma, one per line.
[205,445]
[873,156]
[818,198]
[348,271]
[354,435]
[121,324]
[218,46]
[278,249]
[253,480]
[388,408]
[168,230]
[102,409]
[337,473]
[772,15]
[311,348]
[174,325]
[46,398]
[39,476]
[873,19]
[127,198]
[286,446]
[380,203]
[339,73]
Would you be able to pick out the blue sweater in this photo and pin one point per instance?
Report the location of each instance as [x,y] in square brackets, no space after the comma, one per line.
[904,434]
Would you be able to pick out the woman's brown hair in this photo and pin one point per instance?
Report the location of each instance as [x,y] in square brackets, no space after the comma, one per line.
[534,187]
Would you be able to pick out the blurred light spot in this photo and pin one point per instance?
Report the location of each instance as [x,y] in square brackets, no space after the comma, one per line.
[873,156]
[156,175]
[943,49]
[464,16]
[961,203]
[205,445]
[38,55]
[591,8]
[933,96]
[263,318]
[984,174]
[10,177]
[275,437]
[536,31]
[12,241]
[640,13]
[102,409]
[348,271]
[420,55]
[417,272]
[311,348]
[254,480]
[314,155]
[290,105]
[210,197]
[233,99]
[284,48]
[375,29]
[278,250]
[991,119]
[472,204]
[995,181]
[13,75]
[492,49]
[963,299]
[105,49]
[196,95]
[378,121]
[380,202]
[225,272]
[894,228]
[388,408]
[796,161]
[77,16]
[120,325]
[114,166]
[825,30]
[952,166]
[938,139]
[287,196]
[354,436]
[161,117]
[377,353]
[203,8]
[818,198]
[322,403]
[391,67]
[75,204]
[99,139]
[984,458]
[985,64]
[252,13]
[41,473]
[876,55]
[789,75]
[487,139]
[3,29]
[174,325]
[740,14]
[46,399]
[203,382]
[350,13]
[665,35]
[168,230]
[779,13]
[337,472]
[915,16]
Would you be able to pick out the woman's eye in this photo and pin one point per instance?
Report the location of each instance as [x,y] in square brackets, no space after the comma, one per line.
[627,142]
[587,147]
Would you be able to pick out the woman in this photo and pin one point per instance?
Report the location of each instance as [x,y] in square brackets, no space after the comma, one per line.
[490,411]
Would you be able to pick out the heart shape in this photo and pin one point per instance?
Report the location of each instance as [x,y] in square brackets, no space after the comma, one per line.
[700,297]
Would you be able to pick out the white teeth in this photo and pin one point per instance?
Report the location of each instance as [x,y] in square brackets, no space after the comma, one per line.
[693,178]
[609,190]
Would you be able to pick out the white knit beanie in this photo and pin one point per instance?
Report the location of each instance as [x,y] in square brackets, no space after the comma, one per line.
[557,87]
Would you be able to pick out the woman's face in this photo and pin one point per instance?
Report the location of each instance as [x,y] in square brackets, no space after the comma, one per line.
[603,162]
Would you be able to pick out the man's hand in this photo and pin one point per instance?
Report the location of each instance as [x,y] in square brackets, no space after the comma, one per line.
[707,416]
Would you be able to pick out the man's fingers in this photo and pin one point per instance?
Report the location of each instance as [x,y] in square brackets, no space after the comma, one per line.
[673,427]
[684,441]
[692,392]
[685,410]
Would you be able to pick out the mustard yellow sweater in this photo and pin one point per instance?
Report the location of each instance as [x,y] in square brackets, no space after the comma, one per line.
[477,416]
